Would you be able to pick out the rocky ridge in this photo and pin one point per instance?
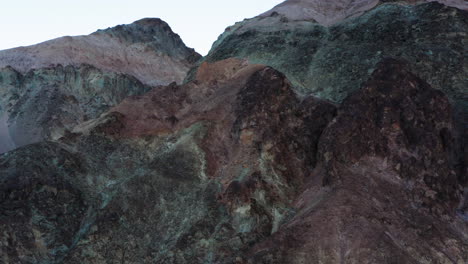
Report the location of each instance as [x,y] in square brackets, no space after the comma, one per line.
[44,103]
[53,86]
[240,164]
[233,167]
[332,62]
[328,13]
[146,49]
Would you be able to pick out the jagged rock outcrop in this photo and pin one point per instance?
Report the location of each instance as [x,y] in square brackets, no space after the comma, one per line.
[182,174]
[387,185]
[51,87]
[230,168]
[332,62]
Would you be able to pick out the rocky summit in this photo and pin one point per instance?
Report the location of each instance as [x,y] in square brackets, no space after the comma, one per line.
[292,141]
[51,87]
[333,61]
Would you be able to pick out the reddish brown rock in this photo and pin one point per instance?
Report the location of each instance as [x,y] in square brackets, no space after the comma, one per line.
[234,167]
[48,88]
[400,119]
[257,127]
[386,190]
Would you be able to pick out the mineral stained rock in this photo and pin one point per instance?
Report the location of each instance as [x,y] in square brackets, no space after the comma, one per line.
[234,167]
[389,182]
[357,153]
[183,174]
[332,61]
[51,87]
[44,103]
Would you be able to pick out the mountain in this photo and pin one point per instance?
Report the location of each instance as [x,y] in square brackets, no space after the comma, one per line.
[53,86]
[328,13]
[333,61]
[233,167]
[248,162]
[146,49]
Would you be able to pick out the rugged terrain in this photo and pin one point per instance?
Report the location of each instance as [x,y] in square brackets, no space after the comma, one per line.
[146,49]
[328,13]
[331,62]
[53,86]
[241,164]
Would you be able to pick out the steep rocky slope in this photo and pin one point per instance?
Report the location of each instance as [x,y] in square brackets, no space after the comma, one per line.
[146,49]
[53,86]
[331,12]
[389,182]
[44,103]
[234,168]
[357,153]
[332,62]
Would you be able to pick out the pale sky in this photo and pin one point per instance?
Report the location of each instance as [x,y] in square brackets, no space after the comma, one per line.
[198,22]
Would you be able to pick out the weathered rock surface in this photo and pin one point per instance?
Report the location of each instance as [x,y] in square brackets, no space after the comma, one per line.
[238,164]
[51,87]
[234,167]
[328,13]
[183,174]
[332,62]
[44,103]
[146,49]
[386,186]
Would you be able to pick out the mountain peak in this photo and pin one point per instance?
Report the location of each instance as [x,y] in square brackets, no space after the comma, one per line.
[147,49]
[154,34]
[151,21]
[331,12]
[146,28]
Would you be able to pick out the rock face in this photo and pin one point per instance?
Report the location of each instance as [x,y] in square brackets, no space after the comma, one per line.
[146,49]
[51,87]
[350,156]
[332,62]
[328,13]
[234,167]
[44,103]
[183,174]
[389,179]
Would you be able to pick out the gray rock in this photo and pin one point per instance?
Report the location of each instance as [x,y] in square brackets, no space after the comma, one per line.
[332,62]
